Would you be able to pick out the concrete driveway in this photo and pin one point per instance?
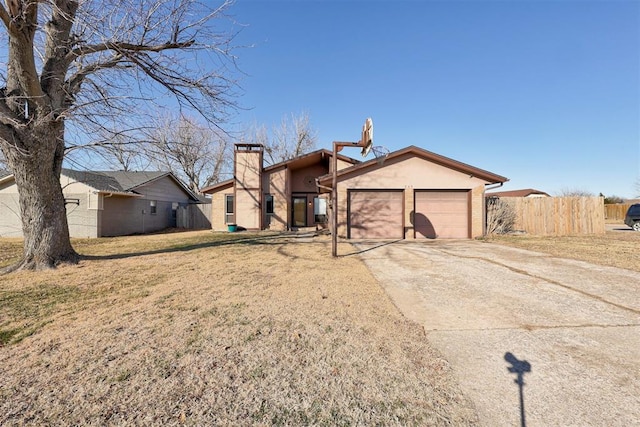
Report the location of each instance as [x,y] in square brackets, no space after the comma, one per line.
[571,329]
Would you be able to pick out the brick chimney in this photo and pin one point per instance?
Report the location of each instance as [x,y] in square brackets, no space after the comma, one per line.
[247,174]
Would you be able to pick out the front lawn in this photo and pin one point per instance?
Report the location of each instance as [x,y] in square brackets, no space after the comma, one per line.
[195,329]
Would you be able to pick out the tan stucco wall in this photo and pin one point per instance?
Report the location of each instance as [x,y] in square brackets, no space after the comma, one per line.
[217,209]
[248,189]
[342,164]
[274,183]
[477,212]
[411,172]
[248,168]
[248,209]
[342,211]
[409,207]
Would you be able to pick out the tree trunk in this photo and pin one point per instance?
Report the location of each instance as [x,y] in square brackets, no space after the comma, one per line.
[42,206]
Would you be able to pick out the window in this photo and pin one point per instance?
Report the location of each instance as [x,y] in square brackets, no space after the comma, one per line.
[229,216]
[153,209]
[320,210]
[268,204]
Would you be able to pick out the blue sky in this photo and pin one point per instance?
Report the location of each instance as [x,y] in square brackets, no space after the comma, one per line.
[546,93]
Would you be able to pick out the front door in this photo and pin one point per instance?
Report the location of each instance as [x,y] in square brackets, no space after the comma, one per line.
[299,216]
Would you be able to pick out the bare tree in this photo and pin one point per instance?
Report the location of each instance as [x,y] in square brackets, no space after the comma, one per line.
[293,137]
[574,192]
[501,216]
[125,150]
[196,154]
[82,64]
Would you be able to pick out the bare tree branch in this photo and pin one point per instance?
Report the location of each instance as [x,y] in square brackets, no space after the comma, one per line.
[100,67]
[191,151]
[293,137]
[4,16]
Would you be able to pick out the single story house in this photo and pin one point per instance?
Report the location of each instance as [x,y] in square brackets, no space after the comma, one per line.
[526,192]
[106,203]
[413,193]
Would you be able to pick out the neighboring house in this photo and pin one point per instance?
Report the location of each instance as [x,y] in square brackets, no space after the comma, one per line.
[414,193]
[527,192]
[111,203]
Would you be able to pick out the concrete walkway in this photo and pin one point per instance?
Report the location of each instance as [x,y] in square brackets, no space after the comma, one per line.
[570,330]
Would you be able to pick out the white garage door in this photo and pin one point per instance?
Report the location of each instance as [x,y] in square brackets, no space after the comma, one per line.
[375,215]
[441,214]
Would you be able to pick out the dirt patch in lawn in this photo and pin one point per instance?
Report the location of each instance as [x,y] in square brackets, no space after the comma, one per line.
[194,329]
[613,249]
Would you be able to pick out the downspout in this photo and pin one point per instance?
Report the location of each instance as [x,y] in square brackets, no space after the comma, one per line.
[498,185]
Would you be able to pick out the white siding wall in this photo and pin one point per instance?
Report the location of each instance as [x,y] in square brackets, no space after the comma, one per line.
[10,224]
[99,215]
[82,221]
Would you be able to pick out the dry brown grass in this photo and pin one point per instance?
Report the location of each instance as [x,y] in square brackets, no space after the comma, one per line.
[192,329]
[614,249]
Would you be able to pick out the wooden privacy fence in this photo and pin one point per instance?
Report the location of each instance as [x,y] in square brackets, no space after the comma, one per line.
[194,217]
[558,216]
[616,212]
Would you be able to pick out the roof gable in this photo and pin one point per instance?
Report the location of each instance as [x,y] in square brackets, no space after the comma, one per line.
[423,154]
[123,181]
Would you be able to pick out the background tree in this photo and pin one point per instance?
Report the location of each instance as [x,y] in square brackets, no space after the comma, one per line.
[83,65]
[124,151]
[293,137]
[575,192]
[196,154]
[610,200]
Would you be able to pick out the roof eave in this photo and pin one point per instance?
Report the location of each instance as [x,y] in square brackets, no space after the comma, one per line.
[217,187]
[117,193]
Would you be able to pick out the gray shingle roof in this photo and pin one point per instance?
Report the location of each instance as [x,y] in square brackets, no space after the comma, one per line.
[121,181]
[99,180]
[116,181]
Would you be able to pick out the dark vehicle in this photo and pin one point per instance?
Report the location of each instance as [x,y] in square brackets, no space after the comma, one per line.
[632,219]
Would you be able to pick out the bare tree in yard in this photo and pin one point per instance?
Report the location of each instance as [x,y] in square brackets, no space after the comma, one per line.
[293,137]
[82,64]
[501,216]
[196,154]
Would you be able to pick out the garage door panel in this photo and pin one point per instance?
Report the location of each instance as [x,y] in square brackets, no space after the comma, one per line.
[375,214]
[440,214]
